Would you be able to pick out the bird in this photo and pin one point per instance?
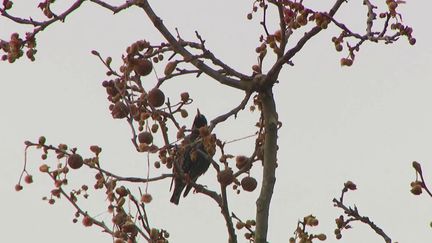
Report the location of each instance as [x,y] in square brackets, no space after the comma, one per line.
[194,164]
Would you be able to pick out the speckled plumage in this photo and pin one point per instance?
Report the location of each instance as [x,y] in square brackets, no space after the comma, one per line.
[193,163]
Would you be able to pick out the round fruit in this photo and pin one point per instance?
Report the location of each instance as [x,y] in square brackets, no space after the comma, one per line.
[18,187]
[75,161]
[87,221]
[44,168]
[156,97]
[225,177]
[249,183]
[143,67]
[241,161]
[145,137]
[416,190]
[28,179]
[146,198]
[119,110]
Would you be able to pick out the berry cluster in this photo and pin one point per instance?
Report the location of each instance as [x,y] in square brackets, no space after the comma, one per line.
[14,48]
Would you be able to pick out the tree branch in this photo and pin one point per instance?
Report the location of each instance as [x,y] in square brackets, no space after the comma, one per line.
[114,9]
[232,112]
[269,163]
[157,22]
[274,71]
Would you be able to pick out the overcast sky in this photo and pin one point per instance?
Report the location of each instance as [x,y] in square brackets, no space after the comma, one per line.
[366,123]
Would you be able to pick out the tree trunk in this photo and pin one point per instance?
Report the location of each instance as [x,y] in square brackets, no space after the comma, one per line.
[269,163]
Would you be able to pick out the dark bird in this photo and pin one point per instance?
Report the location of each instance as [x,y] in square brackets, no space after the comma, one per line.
[193,162]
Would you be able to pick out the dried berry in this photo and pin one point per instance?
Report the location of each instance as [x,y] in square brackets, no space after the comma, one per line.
[87,221]
[416,189]
[44,168]
[122,191]
[225,177]
[28,179]
[95,149]
[249,183]
[350,185]
[75,161]
[241,161]
[184,113]
[146,198]
[240,225]
[18,187]
[145,137]
[184,96]
[346,62]
[119,110]
[321,237]
[156,97]
[143,67]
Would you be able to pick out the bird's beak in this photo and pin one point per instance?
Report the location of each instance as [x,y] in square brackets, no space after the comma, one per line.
[198,112]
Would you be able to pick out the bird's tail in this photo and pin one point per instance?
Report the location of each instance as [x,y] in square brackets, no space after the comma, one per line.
[178,188]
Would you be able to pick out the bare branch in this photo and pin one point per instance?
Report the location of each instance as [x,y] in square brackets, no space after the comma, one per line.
[274,71]
[232,112]
[355,215]
[157,22]
[269,164]
[114,9]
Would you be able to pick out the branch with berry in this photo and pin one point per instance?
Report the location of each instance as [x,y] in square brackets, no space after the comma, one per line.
[353,215]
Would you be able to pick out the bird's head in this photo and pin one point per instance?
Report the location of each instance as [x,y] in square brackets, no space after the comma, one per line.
[199,121]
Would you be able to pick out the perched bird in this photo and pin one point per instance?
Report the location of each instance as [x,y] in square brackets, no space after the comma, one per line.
[193,163]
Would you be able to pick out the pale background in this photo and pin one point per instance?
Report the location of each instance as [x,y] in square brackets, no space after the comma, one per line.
[366,123]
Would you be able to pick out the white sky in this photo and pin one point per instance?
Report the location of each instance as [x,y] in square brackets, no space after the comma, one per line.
[366,123]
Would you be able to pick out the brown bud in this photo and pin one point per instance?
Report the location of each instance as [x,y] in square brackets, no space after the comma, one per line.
[184,96]
[154,128]
[184,113]
[44,168]
[321,237]
[170,67]
[346,62]
[42,140]
[122,191]
[95,149]
[417,166]
[256,68]
[416,189]
[350,185]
